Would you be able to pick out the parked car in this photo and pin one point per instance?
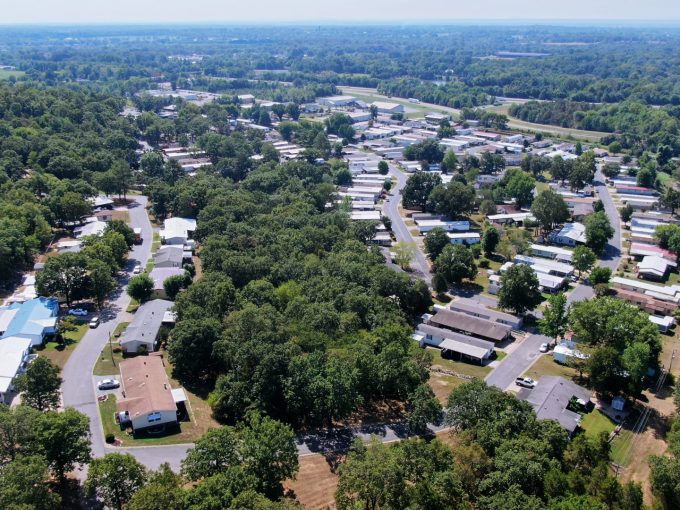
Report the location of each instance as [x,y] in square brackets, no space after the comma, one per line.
[94,322]
[108,384]
[525,382]
[79,312]
[543,347]
[137,269]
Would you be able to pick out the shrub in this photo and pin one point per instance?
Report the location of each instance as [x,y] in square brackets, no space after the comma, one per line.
[109,438]
[484,263]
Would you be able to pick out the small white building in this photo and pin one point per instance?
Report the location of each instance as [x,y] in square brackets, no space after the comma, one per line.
[13,352]
[427,225]
[664,323]
[177,230]
[572,234]
[466,238]
[653,267]
[551,252]
[388,108]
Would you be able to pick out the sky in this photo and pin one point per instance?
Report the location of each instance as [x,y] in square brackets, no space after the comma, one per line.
[336,11]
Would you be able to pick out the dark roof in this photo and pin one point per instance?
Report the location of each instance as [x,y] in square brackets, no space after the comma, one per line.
[550,398]
[472,325]
[146,322]
[458,337]
[172,254]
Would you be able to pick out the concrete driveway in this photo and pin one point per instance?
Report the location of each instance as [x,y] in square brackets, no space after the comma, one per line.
[517,362]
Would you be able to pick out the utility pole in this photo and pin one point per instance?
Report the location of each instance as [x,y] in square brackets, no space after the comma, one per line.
[111,349]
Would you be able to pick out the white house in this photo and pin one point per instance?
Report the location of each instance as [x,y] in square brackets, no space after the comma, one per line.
[572,234]
[426,225]
[336,101]
[13,352]
[177,230]
[466,238]
[654,267]
[551,252]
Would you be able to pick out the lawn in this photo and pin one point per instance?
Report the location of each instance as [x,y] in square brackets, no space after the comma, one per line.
[459,367]
[6,74]
[59,353]
[189,432]
[442,385]
[596,422]
[106,364]
[545,365]
[156,243]
[132,307]
[482,278]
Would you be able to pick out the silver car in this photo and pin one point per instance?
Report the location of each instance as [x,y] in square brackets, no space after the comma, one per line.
[108,384]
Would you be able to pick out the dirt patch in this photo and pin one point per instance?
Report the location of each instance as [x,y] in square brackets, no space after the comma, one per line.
[315,485]
[442,385]
[121,215]
[650,442]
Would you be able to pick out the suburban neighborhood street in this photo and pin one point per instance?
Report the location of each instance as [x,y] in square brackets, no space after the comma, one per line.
[612,254]
[78,386]
[420,264]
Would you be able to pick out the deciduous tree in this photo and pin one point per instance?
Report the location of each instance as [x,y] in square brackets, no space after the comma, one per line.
[114,479]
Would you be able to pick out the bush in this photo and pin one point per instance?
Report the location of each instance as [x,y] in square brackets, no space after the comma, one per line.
[142,350]
[484,263]
[109,438]
[117,349]
[476,250]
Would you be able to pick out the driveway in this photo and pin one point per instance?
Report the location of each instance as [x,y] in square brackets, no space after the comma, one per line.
[517,362]
[420,265]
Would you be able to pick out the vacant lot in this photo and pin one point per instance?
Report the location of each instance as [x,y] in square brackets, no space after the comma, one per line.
[315,485]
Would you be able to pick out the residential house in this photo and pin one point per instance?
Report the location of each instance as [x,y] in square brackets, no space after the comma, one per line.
[653,267]
[144,329]
[160,274]
[647,303]
[669,293]
[471,307]
[664,323]
[104,215]
[546,266]
[571,234]
[455,345]
[177,230]
[34,319]
[551,252]
[512,218]
[148,399]
[336,101]
[556,398]
[168,256]
[427,225]
[470,325]
[13,353]
[465,238]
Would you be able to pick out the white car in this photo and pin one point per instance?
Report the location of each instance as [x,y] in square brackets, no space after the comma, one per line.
[525,382]
[108,384]
[543,347]
[137,269]
[79,312]
[94,322]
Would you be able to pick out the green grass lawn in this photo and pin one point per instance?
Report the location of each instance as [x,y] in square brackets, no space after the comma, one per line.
[106,364]
[596,422]
[132,307]
[621,451]
[156,243]
[59,353]
[459,367]
[188,432]
[6,74]
[500,355]
[545,365]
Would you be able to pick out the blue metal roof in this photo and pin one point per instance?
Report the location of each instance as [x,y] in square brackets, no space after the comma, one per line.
[23,323]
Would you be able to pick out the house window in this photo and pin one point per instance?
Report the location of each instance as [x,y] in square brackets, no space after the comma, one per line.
[152,417]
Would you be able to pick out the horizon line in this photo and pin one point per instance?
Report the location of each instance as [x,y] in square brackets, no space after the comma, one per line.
[593,23]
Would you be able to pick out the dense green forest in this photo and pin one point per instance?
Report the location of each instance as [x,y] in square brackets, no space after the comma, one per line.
[580,64]
[637,126]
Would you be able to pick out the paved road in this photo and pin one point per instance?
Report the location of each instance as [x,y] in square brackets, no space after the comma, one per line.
[420,265]
[517,362]
[78,387]
[612,254]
